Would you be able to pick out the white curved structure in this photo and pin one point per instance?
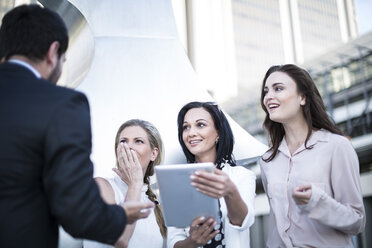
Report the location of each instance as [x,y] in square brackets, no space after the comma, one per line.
[126,56]
[134,67]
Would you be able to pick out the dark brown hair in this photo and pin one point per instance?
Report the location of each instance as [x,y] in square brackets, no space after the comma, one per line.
[155,141]
[314,109]
[225,145]
[29,30]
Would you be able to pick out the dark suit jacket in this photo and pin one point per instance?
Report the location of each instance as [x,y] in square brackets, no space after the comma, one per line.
[45,169]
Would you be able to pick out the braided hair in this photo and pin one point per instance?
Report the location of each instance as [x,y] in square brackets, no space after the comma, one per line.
[155,141]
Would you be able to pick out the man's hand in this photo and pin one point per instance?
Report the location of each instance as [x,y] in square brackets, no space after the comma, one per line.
[136,210]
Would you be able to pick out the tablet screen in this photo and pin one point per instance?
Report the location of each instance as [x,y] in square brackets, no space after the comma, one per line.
[181,202]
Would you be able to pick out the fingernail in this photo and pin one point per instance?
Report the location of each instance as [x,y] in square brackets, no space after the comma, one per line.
[192,177]
[197,173]
[202,218]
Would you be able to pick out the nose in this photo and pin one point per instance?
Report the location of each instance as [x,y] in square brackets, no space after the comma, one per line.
[129,144]
[191,132]
[268,96]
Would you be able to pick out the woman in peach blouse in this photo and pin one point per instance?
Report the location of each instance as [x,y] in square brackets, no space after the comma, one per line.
[311,172]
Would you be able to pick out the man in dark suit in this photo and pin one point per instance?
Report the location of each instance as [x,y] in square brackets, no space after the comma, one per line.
[45,142]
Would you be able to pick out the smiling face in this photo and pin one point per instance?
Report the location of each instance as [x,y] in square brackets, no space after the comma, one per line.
[282,100]
[137,140]
[200,135]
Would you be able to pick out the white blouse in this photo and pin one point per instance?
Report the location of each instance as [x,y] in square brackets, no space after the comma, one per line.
[146,232]
[235,236]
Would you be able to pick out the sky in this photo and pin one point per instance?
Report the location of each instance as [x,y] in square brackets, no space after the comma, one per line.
[363,9]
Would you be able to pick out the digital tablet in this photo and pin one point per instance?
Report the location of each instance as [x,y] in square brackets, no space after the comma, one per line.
[181,202]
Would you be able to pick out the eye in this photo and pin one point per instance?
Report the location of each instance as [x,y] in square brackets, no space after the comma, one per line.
[139,141]
[278,88]
[123,141]
[185,127]
[201,124]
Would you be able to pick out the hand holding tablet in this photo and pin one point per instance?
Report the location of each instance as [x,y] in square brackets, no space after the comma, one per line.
[181,202]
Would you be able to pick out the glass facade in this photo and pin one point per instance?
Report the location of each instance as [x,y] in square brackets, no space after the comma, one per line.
[258,39]
[269,32]
[320,26]
[346,88]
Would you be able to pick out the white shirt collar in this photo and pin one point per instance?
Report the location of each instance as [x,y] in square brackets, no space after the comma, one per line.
[27,65]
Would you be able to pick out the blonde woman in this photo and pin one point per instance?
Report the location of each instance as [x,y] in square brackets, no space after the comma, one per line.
[139,148]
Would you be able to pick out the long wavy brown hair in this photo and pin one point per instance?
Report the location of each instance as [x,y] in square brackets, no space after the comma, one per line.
[314,109]
[155,141]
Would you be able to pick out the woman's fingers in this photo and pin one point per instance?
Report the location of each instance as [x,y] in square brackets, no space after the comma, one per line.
[127,157]
[303,188]
[207,227]
[128,153]
[215,176]
[118,172]
[208,190]
[216,184]
[135,159]
[201,230]
[202,181]
[206,178]
[122,155]
[129,169]
[302,194]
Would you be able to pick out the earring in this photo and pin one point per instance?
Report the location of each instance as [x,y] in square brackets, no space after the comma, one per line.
[217,140]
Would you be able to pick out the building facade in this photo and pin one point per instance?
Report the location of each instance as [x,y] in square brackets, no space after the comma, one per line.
[269,32]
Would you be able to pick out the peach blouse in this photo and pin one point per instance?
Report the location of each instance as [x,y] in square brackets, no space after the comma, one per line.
[335,211]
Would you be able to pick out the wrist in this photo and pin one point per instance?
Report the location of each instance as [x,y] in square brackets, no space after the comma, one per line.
[231,194]
[186,243]
[135,185]
[190,243]
[134,192]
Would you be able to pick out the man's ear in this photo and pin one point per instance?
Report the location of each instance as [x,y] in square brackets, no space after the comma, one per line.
[52,54]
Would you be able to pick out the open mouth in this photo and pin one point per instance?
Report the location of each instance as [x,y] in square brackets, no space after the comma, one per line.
[271,106]
[194,142]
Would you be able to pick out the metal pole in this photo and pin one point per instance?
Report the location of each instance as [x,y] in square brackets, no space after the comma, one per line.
[346,98]
[364,83]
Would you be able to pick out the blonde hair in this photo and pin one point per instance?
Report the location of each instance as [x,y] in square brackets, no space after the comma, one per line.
[155,142]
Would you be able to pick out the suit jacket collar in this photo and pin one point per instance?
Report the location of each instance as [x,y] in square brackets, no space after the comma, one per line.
[17,68]
[26,65]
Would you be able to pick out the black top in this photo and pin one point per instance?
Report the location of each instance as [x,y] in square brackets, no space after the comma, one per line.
[46,175]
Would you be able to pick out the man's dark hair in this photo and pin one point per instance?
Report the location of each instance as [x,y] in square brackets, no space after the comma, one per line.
[29,30]
[225,143]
